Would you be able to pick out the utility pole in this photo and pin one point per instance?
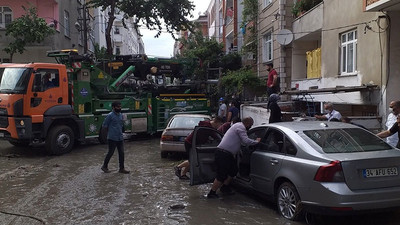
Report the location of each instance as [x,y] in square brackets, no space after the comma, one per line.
[85,30]
[82,26]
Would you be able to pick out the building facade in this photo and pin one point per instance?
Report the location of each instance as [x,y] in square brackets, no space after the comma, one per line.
[62,15]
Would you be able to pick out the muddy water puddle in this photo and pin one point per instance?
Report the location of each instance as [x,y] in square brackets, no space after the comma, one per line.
[71,189]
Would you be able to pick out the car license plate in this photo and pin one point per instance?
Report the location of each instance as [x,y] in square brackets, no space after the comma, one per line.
[1,134]
[380,172]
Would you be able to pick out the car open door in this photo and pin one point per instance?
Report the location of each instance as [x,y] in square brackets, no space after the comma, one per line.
[202,155]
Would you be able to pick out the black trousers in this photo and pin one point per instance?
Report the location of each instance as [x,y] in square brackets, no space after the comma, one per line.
[111,148]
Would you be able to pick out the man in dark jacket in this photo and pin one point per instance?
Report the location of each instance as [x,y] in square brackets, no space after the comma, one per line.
[275,112]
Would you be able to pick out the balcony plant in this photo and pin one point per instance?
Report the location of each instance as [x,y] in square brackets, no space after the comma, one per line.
[302,6]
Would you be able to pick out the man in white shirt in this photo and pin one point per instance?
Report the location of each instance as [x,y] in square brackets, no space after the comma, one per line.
[330,113]
[391,119]
[225,155]
[222,109]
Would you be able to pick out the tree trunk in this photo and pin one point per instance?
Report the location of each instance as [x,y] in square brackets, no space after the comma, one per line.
[110,23]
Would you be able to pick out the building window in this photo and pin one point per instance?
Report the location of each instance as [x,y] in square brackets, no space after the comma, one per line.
[116,30]
[348,52]
[117,50]
[267,47]
[5,16]
[267,2]
[66,24]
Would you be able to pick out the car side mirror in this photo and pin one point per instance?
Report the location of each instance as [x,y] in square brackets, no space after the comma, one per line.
[37,82]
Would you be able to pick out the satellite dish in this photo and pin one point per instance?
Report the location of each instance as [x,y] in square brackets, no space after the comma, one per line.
[284,37]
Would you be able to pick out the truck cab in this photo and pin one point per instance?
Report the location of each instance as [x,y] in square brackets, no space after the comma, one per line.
[32,96]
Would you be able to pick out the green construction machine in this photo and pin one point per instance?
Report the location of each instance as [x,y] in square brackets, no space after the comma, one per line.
[75,106]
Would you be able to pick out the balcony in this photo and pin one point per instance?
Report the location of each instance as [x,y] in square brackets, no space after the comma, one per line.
[309,24]
[381,5]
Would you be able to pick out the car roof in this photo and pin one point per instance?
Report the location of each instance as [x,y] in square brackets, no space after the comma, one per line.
[192,115]
[310,125]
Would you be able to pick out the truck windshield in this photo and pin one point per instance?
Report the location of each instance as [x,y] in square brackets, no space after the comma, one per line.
[14,80]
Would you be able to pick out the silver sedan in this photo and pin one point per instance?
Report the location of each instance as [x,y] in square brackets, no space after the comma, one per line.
[320,167]
[178,128]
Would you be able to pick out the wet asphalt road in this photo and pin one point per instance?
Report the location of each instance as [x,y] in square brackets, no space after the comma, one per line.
[71,189]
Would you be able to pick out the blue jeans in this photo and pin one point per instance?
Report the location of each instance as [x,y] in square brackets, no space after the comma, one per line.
[111,148]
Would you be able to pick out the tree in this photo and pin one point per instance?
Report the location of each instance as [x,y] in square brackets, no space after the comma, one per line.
[236,81]
[249,22]
[26,30]
[154,14]
[203,51]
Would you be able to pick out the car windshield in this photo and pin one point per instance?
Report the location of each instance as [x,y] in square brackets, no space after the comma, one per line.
[14,80]
[347,140]
[186,122]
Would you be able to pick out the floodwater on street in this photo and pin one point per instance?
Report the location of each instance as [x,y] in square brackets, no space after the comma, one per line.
[71,189]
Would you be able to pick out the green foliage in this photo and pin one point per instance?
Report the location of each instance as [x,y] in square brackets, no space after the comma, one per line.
[232,61]
[303,6]
[25,30]
[100,53]
[235,81]
[203,51]
[250,45]
[154,14]
[249,9]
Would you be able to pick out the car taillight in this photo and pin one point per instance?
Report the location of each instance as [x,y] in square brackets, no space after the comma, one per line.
[330,173]
[167,137]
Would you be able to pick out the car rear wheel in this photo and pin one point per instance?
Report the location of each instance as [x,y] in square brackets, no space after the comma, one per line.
[288,201]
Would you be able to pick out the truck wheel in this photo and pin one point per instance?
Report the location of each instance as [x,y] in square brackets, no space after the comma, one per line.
[60,140]
[19,143]
[103,136]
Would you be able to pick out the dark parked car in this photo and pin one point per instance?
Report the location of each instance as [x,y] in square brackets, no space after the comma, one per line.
[320,167]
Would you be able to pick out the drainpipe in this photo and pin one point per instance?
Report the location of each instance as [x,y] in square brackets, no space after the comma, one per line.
[282,58]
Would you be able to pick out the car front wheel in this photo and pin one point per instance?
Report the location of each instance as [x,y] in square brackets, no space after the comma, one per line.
[288,201]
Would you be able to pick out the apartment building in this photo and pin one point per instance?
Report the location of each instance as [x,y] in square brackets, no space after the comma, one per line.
[391,54]
[62,15]
[67,18]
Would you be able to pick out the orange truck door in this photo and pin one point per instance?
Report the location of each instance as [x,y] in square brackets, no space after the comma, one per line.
[48,88]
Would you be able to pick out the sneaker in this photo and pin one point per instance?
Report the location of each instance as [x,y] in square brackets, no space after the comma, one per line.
[105,169]
[212,194]
[177,171]
[124,171]
[184,177]
[226,190]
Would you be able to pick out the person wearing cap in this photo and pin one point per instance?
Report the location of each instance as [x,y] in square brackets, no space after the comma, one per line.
[272,82]
[222,111]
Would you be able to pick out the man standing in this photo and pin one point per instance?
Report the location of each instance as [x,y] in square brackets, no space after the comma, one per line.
[330,113]
[114,124]
[391,119]
[222,109]
[275,111]
[395,127]
[226,153]
[272,82]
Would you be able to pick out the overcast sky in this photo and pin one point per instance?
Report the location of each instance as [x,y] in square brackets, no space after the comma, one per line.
[164,44]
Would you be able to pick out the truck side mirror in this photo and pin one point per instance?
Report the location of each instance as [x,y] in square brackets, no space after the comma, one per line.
[37,82]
